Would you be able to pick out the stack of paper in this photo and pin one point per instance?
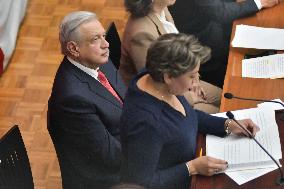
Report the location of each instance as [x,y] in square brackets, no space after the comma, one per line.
[241,177]
[272,106]
[246,159]
[264,67]
[258,37]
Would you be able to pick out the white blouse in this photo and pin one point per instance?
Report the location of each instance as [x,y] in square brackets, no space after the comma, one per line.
[168,26]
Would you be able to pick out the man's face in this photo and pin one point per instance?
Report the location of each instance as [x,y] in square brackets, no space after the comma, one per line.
[93,48]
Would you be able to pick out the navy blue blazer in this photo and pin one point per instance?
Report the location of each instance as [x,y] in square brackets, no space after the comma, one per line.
[83,122]
[158,140]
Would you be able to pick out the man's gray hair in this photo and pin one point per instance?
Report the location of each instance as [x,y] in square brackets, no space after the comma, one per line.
[68,29]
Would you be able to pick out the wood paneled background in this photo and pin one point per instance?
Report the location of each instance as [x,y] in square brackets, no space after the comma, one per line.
[26,84]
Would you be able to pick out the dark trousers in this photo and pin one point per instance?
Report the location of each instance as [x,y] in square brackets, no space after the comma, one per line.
[215,77]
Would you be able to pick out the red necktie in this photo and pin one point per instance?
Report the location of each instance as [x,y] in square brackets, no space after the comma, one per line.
[103,80]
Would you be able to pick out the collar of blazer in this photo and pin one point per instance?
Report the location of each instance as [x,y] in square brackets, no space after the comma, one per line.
[158,23]
[94,85]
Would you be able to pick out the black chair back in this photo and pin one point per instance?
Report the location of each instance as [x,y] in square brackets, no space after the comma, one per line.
[15,170]
[112,37]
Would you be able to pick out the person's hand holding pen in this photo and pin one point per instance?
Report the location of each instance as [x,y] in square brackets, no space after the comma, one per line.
[201,152]
[209,166]
[206,165]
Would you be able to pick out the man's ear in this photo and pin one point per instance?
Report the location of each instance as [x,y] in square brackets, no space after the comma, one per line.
[73,48]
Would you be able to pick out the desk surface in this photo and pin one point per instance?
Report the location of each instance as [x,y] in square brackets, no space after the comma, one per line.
[250,88]
[222,181]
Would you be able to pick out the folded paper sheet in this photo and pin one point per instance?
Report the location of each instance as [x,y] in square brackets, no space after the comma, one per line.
[258,37]
[264,67]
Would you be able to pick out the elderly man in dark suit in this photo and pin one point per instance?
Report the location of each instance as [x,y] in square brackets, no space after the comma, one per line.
[210,21]
[85,106]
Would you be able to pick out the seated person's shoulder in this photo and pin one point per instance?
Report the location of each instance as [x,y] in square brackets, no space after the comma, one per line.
[140,25]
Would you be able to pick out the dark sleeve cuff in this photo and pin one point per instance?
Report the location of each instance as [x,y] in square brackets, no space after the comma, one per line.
[208,124]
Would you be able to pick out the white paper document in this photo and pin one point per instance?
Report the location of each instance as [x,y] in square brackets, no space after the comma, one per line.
[241,177]
[243,154]
[258,37]
[264,67]
[272,106]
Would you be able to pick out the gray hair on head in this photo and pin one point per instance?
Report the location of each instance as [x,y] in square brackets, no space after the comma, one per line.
[175,54]
[68,29]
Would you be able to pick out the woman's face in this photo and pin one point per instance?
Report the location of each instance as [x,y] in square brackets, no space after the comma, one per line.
[183,83]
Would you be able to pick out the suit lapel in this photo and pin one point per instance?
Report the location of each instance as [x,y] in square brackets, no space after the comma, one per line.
[114,79]
[158,23]
[169,16]
[95,86]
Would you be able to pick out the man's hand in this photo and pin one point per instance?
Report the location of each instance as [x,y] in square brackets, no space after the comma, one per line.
[269,3]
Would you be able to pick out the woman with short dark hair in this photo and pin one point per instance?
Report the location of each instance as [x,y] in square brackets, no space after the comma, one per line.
[183,54]
[138,8]
[159,127]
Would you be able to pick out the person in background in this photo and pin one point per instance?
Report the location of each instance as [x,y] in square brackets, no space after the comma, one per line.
[211,22]
[85,106]
[148,20]
[159,127]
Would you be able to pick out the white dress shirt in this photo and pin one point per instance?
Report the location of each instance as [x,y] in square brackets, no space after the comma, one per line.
[258,4]
[92,72]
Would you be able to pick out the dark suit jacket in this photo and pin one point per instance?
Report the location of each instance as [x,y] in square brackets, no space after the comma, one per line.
[211,21]
[83,121]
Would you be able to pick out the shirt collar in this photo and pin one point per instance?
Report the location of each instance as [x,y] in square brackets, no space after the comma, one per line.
[162,16]
[168,26]
[92,72]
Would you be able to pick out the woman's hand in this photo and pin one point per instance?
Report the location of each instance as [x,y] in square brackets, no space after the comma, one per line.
[206,165]
[247,123]
[268,3]
[197,93]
